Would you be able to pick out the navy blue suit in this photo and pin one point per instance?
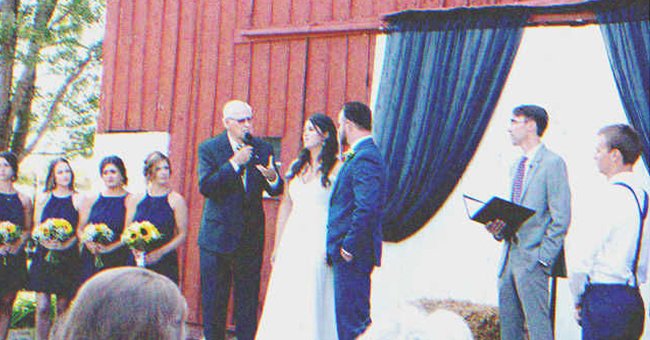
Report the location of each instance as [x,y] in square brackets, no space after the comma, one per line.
[354,224]
[231,238]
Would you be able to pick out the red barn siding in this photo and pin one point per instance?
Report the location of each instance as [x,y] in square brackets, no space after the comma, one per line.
[170,65]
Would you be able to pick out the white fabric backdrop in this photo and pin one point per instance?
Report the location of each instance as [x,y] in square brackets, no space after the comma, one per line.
[565,70]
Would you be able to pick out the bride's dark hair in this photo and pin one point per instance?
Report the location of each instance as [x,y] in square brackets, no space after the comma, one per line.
[327,157]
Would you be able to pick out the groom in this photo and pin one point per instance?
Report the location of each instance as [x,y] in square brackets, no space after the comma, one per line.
[354,224]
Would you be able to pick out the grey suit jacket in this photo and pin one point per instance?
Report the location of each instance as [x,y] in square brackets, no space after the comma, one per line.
[540,238]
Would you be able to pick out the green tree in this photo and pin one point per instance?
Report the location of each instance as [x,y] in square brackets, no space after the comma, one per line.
[50,67]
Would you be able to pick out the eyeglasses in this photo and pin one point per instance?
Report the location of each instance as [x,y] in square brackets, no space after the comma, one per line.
[516,121]
[242,120]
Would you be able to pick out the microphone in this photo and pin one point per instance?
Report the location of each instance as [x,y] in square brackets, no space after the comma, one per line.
[248,139]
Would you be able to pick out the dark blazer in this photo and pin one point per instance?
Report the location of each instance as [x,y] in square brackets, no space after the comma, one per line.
[356,206]
[230,211]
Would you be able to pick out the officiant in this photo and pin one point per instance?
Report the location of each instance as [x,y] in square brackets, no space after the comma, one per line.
[539,182]
[234,170]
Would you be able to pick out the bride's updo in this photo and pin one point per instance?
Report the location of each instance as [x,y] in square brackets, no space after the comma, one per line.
[327,157]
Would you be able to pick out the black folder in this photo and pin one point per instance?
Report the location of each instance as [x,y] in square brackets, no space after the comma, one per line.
[498,208]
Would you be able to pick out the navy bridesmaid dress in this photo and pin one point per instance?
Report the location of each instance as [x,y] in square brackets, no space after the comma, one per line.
[13,275]
[111,211]
[156,209]
[61,278]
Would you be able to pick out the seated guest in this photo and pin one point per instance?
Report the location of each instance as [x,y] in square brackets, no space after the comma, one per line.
[605,283]
[125,303]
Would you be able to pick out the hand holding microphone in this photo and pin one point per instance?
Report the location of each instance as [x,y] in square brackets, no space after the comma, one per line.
[243,155]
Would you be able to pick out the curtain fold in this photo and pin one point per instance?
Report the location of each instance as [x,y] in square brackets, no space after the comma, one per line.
[442,76]
[626,32]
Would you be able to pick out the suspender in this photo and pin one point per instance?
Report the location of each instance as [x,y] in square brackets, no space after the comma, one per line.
[643,212]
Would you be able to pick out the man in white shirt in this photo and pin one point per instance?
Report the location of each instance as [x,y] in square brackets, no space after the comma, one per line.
[605,282]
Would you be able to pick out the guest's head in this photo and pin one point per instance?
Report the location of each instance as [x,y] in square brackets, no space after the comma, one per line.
[157,168]
[528,123]
[8,166]
[59,174]
[617,149]
[113,171]
[238,119]
[319,140]
[355,121]
[125,303]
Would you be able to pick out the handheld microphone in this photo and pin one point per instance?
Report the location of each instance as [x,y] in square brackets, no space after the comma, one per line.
[248,139]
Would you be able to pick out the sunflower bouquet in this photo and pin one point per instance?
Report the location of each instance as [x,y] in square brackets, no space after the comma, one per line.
[53,229]
[9,233]
[141,236]
[98,233]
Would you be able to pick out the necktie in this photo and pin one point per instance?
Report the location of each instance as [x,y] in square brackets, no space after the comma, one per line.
[518,181]
[242,169]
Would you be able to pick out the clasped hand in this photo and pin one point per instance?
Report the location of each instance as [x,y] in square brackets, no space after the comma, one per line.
[149,258]
[51,244]
[97,248]
[10,249]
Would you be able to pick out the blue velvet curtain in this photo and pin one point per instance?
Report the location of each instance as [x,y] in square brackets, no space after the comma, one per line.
[626,31]
[442,76]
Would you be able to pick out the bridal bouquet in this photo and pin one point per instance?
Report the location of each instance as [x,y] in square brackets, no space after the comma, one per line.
[98,233]
[9,233]
[53,229]
[141,236]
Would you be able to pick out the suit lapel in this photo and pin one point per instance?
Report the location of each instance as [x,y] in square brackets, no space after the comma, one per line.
[226,148]
[339,179]
[532,170]
[364,144]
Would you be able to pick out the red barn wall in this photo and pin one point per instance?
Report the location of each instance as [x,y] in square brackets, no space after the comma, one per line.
[170,65]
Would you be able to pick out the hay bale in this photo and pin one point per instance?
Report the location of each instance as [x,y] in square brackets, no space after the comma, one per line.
[483,320]
[409,321]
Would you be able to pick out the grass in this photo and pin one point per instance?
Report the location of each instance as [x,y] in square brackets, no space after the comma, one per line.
[24,310]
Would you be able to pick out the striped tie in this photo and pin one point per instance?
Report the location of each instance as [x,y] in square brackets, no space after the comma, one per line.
[518,181]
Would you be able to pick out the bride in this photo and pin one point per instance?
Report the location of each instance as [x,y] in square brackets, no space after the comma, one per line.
[300,298]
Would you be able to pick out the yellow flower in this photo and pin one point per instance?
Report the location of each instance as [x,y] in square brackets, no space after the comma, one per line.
[139,234]
[62,224]
[148,231]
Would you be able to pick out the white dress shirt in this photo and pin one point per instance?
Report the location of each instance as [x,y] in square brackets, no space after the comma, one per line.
[609,253]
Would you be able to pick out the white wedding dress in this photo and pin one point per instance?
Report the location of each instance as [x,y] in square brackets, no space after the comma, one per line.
[300,297]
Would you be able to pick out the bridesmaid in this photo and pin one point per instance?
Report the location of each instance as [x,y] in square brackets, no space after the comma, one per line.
[164,208]
[15,207]
[106,207]
[59,200]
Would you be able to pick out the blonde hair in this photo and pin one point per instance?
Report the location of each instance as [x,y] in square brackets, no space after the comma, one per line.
[151,161]
[125,303]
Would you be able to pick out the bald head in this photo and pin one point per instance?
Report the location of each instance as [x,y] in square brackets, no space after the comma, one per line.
[238,119]
[237,110]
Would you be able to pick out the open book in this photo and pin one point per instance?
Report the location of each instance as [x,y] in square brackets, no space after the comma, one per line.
[514,215]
